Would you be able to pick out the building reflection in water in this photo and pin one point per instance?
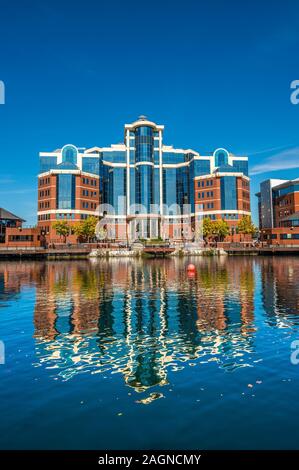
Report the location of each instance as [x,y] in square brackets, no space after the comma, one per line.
[142,319]
[280,290]
[13,276]
[146,320]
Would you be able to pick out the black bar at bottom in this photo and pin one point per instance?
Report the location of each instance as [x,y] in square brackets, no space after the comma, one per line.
[132,459]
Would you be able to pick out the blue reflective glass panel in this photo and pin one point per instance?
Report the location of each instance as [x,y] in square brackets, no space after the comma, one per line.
[117,189]
[91,165]
[144,185]
[117,156]
[228,190]
[173,158]
[156,188]
[221,158]
[144,144]
[69,154]
[241,166]
[169,186]
[47,164]
[283,191]
[202,167]
[65,191]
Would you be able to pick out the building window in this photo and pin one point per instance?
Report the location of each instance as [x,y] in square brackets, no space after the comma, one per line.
[221,157]
[228,190]
[91,165]
[69,154]
[144,144]
[65,191]
[20,238]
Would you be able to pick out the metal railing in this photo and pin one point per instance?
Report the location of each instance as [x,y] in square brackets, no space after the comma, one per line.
[21,248]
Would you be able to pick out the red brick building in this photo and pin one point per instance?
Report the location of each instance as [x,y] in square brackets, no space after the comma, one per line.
[152,190]
[278,202]
[68,189]
[223,195]
[12,234]
[27,237]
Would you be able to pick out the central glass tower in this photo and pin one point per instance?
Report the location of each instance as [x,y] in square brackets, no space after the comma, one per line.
[143,141]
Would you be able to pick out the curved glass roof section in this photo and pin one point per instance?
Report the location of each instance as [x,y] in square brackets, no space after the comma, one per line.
[221,157]
[67,166]
[69,154]
[225,169]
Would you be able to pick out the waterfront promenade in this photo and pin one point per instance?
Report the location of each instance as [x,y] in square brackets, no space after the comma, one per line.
[113,250]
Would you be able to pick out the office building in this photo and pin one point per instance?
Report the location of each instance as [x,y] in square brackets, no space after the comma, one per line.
[142,188]
[278,203]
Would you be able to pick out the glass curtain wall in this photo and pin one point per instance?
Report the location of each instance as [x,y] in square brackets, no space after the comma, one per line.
[228,189]
[66,187]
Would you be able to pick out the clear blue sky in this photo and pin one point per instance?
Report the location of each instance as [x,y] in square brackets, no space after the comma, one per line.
[216,74]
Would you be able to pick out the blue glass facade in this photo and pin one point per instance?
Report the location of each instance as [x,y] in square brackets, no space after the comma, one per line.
[144,144]
[241,166]
[156,186]
[47,164]
[144,186]
[183,193]
[104,183]
[221,157]
[202,167]
[228,189]
[226,169]
[66,189]
[170,186]
[176,187]
[117,189]
[173,158]
[91,165]
[190,183]
[287,190]
[136,172]
[113,157]
[69,154]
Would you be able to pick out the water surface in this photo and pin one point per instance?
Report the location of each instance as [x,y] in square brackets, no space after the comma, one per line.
[134,354]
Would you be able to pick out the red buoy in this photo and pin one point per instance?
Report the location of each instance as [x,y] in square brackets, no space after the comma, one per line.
[191,268]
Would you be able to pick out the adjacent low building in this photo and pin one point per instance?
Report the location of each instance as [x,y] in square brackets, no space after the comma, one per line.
[142,188]
[278,205]
[8,221]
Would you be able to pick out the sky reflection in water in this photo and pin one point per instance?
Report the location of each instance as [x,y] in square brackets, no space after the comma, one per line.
[160,338]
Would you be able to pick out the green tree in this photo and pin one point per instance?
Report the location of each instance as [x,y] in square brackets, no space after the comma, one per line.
[245,226]
[207,228]
[220,229]
[62,229]
[85,230]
